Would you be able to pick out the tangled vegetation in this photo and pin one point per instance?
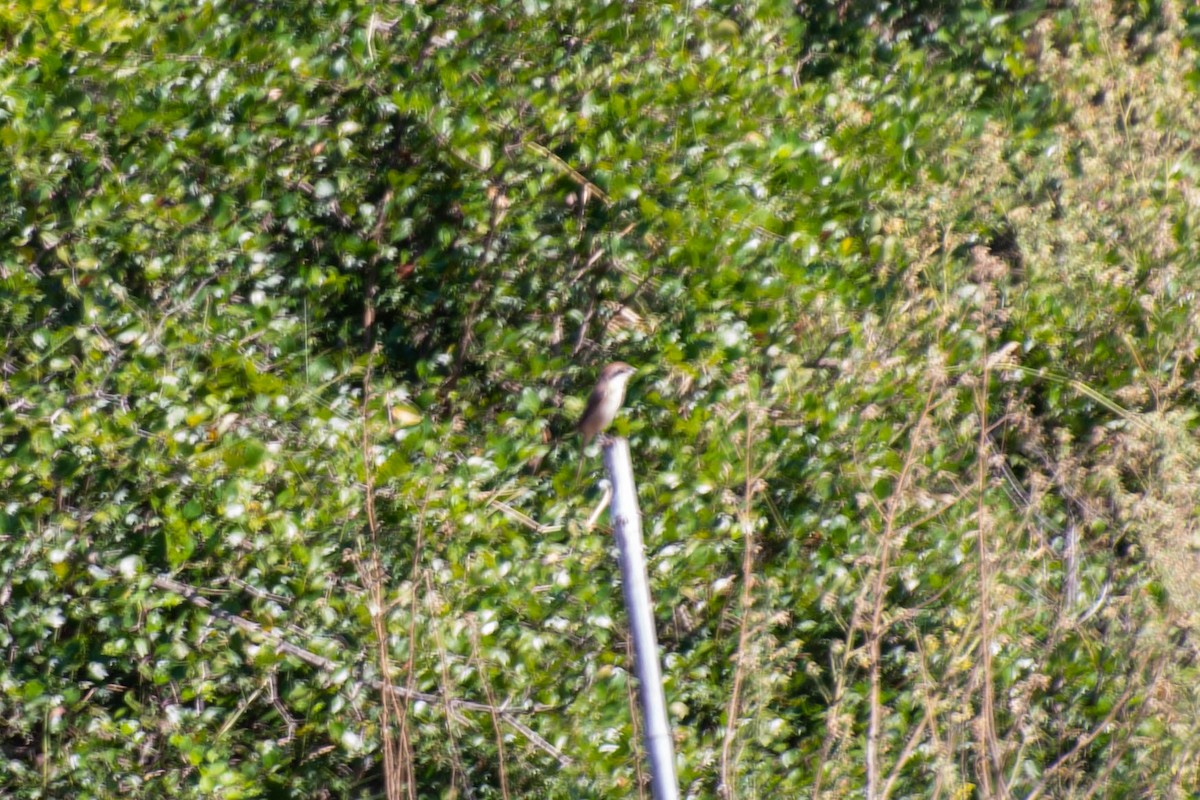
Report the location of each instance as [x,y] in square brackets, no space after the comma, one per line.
[299,302]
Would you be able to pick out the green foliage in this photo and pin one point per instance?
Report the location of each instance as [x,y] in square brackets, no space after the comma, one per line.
[300,300]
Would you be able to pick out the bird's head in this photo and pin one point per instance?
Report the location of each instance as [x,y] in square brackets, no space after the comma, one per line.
[617,373]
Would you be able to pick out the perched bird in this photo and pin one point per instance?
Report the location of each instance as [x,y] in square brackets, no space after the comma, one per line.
[605,401]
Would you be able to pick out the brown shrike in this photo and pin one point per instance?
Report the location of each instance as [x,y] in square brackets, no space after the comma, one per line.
[605,401]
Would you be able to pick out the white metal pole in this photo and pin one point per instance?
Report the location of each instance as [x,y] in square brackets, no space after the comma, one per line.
[627,527]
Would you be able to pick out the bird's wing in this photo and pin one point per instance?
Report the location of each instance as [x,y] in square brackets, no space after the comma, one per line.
[595,399]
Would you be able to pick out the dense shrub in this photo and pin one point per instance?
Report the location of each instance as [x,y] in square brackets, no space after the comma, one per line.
[300,301]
